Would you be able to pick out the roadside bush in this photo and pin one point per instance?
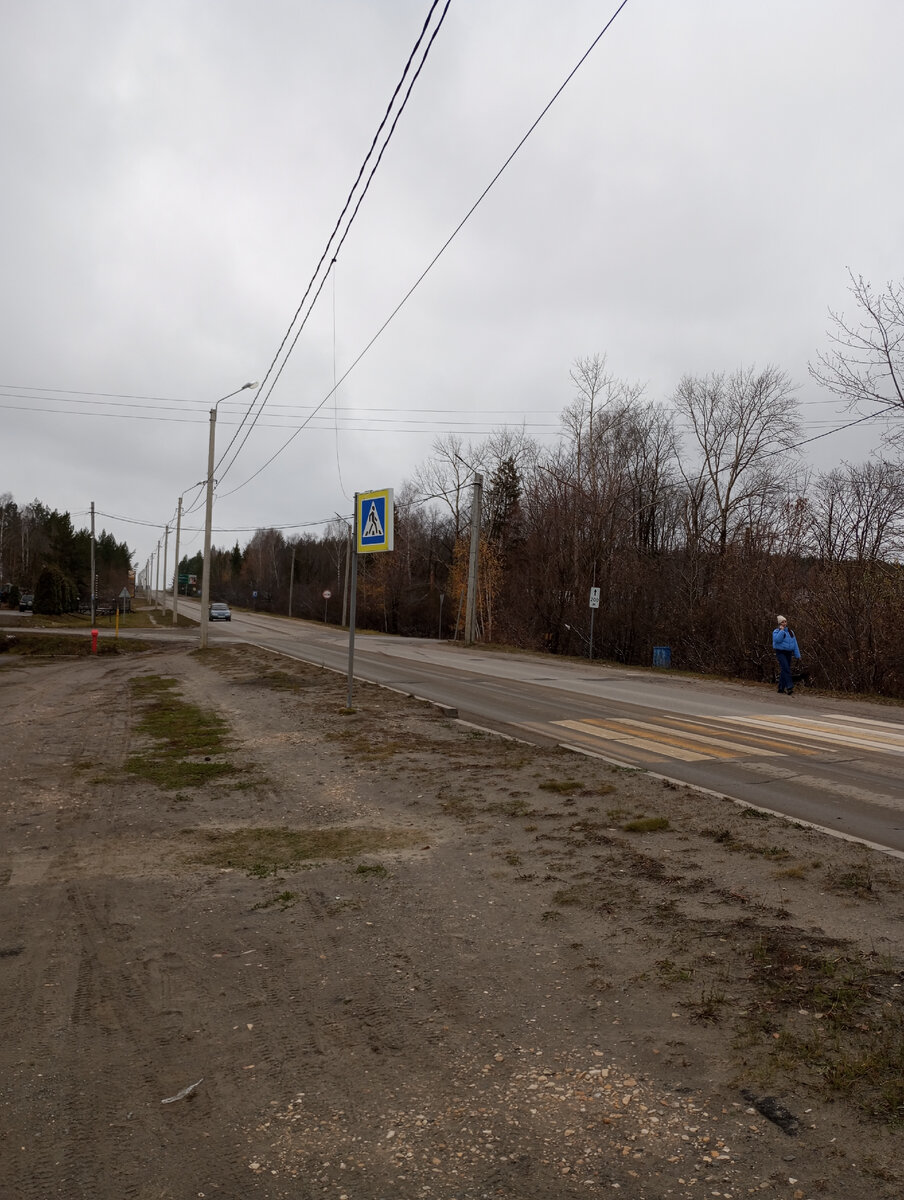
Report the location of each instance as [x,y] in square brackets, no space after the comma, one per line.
[48,599]
[69,596]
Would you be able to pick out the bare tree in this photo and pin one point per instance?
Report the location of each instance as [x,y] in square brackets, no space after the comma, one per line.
[858,513]
[595,390]
[866,364]
[447,475]
[742,424]
[855,604]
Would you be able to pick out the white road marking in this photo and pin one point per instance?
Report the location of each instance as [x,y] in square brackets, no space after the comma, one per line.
[657,748]
[689,736]
[819,731]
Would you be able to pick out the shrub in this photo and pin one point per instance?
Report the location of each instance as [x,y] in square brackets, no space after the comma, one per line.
[49,592]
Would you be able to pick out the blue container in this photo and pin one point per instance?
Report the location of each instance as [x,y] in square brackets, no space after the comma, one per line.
[662,656]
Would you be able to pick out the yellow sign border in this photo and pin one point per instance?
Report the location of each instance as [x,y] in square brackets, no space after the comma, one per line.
[388,525]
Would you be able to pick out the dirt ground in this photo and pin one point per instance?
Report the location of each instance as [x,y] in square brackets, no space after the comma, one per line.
[379,954]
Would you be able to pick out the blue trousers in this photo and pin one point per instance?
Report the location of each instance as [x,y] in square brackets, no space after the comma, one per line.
[785,682]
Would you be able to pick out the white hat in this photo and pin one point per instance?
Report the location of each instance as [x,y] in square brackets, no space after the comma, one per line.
[782,620]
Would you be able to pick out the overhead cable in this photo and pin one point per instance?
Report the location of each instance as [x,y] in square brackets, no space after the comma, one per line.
[455,232]
[329,250]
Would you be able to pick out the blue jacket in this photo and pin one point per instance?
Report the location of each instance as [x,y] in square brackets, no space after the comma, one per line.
[784,639]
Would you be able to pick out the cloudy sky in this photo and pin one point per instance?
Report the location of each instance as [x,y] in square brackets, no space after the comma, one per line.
[172,172]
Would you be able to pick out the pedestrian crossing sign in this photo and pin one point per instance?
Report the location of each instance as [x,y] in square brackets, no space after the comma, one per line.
[374,521]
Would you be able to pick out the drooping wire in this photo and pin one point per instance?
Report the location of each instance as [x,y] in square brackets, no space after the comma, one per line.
[455,232]
[336,397]
[327,248]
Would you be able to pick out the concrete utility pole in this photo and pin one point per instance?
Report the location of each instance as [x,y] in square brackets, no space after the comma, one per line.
[208,515]
[291,580]
[157,578]
[176,566]
[2,525]
[165,556]
[471,606]
[93,596]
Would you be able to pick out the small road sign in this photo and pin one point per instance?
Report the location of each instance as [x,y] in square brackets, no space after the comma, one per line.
[594,597]
[326,594]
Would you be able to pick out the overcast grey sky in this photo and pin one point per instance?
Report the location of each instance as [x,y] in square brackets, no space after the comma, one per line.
[172,171]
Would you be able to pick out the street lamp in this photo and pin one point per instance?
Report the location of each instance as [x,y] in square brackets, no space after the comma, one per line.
[205,579]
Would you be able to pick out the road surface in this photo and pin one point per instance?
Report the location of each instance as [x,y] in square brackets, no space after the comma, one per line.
[838,764]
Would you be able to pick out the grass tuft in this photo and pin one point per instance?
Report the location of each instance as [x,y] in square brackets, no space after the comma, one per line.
[646,825]
[189,741]
[375,869]
[562,787]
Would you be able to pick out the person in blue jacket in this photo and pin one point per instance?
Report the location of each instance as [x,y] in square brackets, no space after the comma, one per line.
[784,643]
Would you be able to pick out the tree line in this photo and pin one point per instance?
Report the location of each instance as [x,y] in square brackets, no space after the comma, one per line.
[42,553]
[696,520]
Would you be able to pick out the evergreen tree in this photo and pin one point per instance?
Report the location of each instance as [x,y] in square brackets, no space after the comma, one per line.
[49,592]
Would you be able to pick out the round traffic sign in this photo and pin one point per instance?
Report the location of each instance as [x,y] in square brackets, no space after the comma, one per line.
[327,594]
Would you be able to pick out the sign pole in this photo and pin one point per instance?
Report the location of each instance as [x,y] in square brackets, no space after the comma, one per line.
[594,605]
[353,597]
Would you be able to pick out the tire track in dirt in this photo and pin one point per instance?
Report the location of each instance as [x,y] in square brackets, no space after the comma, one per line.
[101,997]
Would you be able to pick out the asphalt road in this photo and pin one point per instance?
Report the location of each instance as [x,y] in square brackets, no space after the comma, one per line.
[838,764]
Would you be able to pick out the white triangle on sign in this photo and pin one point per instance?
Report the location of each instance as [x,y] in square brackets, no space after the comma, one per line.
[372,526]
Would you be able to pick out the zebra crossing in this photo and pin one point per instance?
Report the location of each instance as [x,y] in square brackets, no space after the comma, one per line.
[763,736]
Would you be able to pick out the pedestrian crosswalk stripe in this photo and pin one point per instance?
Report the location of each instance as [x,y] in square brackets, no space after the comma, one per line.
[828,731]
[757,739]
[625,739]
[896,725]
[764,736]
[672,741]
[694,738]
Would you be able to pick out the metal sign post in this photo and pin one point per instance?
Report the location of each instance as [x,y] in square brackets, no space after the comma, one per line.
[373,530]
[353,597]
[594,605]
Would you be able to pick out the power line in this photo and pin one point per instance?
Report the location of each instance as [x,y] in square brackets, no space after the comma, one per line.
[254,528]
[327,248]
[668,486]
[13,391]
[350,421]
[197,412]
[451,237]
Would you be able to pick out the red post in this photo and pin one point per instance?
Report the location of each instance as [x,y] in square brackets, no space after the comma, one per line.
[93,641]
